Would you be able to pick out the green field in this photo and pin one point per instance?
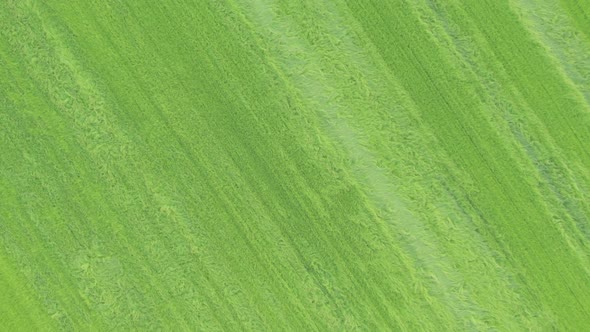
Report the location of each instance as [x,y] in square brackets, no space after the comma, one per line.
[305,165]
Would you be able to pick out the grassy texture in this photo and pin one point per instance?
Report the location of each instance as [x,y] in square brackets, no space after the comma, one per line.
[299,165]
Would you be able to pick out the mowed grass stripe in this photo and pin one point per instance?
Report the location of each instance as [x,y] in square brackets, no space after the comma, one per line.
[576,170]
[516,301]
[556,30]
[488,181]
[529,139]
[531,142]
[564,116]
[568,197]
[267,15]
[423,171]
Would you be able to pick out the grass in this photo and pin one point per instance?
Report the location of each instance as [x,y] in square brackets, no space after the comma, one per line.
[309,165]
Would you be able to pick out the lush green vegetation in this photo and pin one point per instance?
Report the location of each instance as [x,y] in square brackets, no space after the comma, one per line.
[295,165]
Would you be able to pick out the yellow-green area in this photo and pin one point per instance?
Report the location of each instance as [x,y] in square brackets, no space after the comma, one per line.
[310,165]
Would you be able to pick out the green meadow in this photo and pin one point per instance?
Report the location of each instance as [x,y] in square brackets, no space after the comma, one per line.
[309,165]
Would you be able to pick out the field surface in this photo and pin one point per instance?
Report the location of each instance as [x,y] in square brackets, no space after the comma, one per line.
[310,165]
